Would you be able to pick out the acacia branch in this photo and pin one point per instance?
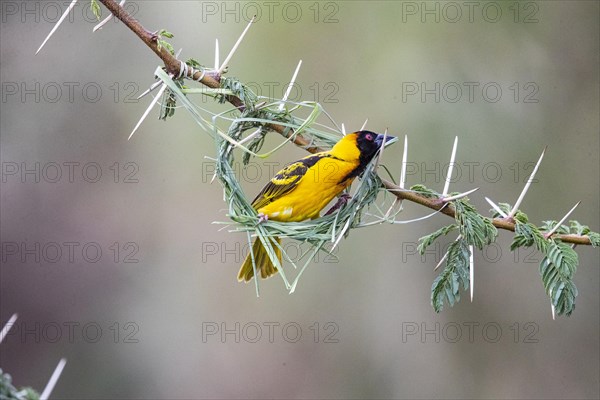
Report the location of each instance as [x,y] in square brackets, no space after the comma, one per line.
[212,80]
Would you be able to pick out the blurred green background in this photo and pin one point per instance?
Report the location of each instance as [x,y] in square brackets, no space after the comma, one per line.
[357,327]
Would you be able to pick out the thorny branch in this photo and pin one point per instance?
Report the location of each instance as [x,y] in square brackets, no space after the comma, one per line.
[212,80]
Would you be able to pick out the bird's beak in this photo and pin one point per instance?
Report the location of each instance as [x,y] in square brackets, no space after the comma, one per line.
[379,139]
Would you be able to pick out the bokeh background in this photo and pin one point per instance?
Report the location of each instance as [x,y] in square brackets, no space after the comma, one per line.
[145,319]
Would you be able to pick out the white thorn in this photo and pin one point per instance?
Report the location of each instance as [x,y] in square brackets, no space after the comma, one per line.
[151,88]
[381,149]
[297,279]
[152,103]
[446,255]
[441,261]
[62,18]
[253,263]
[389,211]
[105,20]
[362,128]
[217,64]
[553,311]
[450,167]
[289,88]
[410,221]
[7,327]
[343,129]
[53,379]
[250,136]
[404,161]
[341,235]
[471,271]
[157,83]
[460,195]
[235,46]
[526,188]
[402,174]
[547,235]
[495,207]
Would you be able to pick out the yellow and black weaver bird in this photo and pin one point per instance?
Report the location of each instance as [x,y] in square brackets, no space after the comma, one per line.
[303,188]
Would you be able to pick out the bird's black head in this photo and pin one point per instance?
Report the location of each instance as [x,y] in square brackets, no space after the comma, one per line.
[369,143]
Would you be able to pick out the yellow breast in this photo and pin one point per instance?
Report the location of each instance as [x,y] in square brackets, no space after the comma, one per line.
[321,183]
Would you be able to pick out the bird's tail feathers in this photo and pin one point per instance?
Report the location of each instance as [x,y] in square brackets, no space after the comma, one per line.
[262,260]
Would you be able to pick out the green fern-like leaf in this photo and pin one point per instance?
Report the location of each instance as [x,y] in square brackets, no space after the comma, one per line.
[163,43]
[594,239]
[446,287]
[165,33]
[578,229]
[521,217]
[192,62]
[96,9]
[9,392]
[424,191]
[505,207]
[169,105]
[473,227]
[169,101]
[426,241]
[557,270]
[160,42]
[527,235]
[549,225]
[243,92]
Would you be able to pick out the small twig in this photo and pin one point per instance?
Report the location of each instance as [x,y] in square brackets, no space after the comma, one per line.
[500,223]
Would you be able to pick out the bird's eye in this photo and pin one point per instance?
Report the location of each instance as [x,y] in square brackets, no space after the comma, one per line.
[368,136]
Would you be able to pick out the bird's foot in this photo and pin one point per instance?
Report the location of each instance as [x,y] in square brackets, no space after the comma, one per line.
[262,218]
[341,201]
